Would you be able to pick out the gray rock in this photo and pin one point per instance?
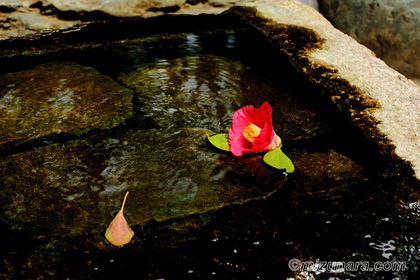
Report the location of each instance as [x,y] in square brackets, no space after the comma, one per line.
[129,8]
[390,28]
[312,3]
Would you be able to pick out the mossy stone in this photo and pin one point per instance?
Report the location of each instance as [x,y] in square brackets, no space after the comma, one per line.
[59,97]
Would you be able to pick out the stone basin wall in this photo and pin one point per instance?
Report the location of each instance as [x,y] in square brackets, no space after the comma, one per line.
[19,18]
[379,100]
[390,28]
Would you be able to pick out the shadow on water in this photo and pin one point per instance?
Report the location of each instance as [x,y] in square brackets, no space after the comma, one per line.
[187,75]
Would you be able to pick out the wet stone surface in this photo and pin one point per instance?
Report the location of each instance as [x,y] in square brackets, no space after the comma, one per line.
[323,171]
[70,188]
[59,97]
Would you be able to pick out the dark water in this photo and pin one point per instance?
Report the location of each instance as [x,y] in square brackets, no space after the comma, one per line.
[188,75]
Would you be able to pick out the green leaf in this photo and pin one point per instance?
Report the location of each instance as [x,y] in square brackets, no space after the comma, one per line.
[220,141]
[277,159]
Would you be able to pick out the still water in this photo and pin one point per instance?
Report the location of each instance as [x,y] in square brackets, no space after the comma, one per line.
[125,106]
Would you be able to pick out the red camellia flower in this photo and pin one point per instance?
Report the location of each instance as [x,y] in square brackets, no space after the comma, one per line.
[252,130]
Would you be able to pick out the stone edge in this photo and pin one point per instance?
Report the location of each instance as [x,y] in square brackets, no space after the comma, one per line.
[381,102]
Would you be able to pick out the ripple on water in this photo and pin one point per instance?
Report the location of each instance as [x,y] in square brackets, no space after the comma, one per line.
[204,90]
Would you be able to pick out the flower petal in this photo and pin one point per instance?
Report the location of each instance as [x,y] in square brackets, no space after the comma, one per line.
[241,118]
[276,143]
[238,144]
[261,115]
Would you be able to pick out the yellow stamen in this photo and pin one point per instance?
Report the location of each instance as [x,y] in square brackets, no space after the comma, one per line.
[251,131]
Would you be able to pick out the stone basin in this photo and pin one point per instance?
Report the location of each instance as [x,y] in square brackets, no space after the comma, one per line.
[353,193]
[168,169]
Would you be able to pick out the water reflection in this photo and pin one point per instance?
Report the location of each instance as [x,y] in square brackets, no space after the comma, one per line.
[193,44]
[195,91]
[387,248]
[200,89]
[230,41]
[414,208]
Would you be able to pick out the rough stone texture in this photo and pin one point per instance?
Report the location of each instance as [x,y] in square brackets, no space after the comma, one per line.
[378,99]
[59,97]
[16,3]
[390,28]
[19,18]
[120,8]
[24,21]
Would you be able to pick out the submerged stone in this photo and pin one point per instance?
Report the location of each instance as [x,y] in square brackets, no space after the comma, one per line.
[205,90]
[76,188]
[322,171]
[59,97]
